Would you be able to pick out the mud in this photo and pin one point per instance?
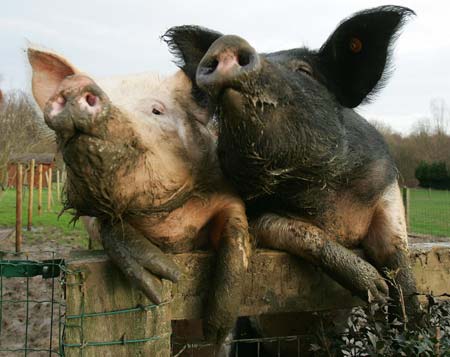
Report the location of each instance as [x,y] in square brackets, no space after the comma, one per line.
[14,315]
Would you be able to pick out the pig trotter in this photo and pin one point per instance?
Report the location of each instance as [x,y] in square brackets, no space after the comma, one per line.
[406,306]
[311,243]
[139,259]
[225,296]
[353,272]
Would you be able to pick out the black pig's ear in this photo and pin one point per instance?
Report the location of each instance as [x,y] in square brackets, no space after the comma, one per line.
[355,58]
[189,44]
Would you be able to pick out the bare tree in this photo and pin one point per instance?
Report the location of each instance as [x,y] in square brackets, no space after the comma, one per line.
[428,141]
[382,127]
[422,126]
[1,92]
[440,115]
[20,128]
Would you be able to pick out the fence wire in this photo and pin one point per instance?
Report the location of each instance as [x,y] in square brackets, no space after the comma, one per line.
[293,346]
[34,320]
[31,305]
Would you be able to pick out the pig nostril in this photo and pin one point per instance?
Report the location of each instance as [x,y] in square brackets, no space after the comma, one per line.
[243,59]
[91,99]
[61,100]
[211,66]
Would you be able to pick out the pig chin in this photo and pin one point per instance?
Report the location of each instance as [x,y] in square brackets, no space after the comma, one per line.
[232,98]
[237,105]
[94,166]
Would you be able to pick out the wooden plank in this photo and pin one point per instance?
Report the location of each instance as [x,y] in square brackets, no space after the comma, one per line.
[276,282]
[49,177]
[39,189]
[58,188]
[30,195]
[19,181]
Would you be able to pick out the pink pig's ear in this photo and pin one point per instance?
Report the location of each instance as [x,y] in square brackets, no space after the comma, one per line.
[49,70]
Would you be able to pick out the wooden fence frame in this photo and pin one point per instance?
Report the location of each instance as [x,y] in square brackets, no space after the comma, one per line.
[103,308]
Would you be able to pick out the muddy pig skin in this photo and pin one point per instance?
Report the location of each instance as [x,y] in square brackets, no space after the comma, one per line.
[140,158]
[316,177]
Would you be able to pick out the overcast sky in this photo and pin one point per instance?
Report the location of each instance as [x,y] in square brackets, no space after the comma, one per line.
[108,37]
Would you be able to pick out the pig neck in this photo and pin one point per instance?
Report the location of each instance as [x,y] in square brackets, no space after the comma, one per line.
[294,166]
[184,222]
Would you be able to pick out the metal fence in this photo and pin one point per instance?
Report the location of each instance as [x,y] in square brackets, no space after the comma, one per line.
[31,305]
[294,346]
[33,319]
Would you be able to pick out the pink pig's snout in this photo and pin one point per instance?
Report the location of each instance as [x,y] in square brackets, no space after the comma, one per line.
[78,105]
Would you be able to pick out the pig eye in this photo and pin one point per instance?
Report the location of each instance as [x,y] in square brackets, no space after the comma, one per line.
[301,66]
[158,109]
[305,68]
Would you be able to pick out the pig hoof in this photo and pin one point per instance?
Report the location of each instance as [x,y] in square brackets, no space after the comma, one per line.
[370,285]
[141,261]
[139,276]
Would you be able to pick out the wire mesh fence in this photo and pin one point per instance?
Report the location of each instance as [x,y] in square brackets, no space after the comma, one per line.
[34,318]
[292,346]
[31,305]
[429,212]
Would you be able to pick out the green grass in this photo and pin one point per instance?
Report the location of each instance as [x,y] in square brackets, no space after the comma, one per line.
[43,224]
[430,212]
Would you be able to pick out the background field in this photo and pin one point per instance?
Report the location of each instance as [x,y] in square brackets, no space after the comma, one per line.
[429,214]
[48,225]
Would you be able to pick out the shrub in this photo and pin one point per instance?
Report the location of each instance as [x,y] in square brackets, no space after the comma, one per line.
[370,332]
[433,175]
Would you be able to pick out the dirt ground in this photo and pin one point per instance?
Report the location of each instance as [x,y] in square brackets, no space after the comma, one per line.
[42,333]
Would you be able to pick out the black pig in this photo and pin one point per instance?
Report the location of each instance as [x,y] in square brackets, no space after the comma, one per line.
[317,178]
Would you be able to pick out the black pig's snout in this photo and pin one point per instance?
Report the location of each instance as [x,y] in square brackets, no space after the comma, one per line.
[227,61]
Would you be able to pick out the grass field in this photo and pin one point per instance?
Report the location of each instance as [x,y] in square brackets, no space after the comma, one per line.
[46,224]
[430,212]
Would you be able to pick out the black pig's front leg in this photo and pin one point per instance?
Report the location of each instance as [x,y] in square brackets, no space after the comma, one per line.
[231,229]
[140,260]
[386,244]
[313,244]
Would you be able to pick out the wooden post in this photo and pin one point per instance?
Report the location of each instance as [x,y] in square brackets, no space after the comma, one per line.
[49,189]
[406,200]
[58,188]
[19,182]
[148,330]
[63,174]
[40,189]
[30,195]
